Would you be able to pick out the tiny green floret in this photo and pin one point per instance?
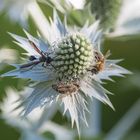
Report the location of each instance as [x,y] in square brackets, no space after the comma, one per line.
[74,55]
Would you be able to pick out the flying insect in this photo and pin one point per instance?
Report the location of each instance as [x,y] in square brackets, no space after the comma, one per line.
[44,58]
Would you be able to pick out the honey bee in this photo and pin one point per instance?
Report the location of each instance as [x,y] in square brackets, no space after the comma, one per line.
[34,61]
[100,62]
[66,88]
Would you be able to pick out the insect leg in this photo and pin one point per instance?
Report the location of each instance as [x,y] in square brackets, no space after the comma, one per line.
[43,65]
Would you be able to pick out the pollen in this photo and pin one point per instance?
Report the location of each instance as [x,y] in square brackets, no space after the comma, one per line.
[75,54]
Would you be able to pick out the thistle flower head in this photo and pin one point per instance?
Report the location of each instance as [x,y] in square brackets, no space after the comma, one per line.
[67,67]
[74,55]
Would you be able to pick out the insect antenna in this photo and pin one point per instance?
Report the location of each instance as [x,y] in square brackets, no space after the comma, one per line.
[107,54]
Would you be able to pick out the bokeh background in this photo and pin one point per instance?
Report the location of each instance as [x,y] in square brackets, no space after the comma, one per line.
[123,41]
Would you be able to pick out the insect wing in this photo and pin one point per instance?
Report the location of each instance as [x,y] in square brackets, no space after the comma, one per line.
[36,48]
[30,64]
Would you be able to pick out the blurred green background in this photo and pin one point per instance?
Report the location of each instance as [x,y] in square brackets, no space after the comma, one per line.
[126,90]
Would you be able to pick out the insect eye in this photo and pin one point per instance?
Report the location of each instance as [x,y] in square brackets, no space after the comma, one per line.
[31,58]
[49,59]
[96,57]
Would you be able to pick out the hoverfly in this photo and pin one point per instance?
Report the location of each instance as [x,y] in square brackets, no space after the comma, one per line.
[34,61]
[66,88]
[100,62]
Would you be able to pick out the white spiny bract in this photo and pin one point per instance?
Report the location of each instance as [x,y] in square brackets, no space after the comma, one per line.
[68,78]
[37,122]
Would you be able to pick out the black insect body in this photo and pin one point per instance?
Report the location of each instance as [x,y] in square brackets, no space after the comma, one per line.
[32,58]
[44,58]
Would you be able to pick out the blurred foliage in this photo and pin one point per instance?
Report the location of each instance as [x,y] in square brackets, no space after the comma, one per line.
[106,11]
[49,135]
[8,132]
[125,93]
[125,90]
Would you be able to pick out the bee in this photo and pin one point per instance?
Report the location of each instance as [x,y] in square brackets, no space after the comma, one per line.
[66,88]
[100,62]
[34,61]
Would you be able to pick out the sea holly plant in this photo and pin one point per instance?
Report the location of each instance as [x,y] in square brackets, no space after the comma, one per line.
[66,68]
[37,123]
